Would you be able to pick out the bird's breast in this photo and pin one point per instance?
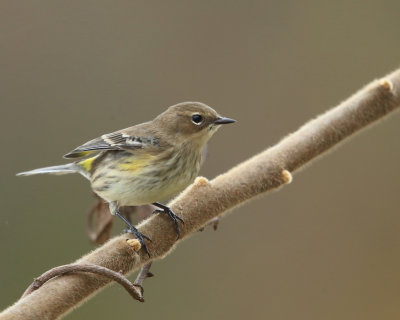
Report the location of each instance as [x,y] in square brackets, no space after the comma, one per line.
[135,180]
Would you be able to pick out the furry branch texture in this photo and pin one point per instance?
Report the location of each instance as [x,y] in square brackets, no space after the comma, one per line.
[205,200]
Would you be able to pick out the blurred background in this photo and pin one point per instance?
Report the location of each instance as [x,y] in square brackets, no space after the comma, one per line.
[325,247]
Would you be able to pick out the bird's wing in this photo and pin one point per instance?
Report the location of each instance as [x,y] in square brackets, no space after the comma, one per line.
[119,140]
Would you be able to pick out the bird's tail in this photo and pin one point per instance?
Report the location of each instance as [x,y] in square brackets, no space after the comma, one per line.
[62,169]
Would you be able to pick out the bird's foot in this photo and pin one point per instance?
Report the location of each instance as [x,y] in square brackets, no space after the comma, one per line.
[140,236]
[175,218]
[131,229]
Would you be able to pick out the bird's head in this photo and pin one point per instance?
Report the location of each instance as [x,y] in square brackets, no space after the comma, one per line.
[193,121]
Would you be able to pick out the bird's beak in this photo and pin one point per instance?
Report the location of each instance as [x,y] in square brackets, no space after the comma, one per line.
[222,120]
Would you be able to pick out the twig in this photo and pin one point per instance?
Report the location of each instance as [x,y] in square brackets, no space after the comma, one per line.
[143,274]
[92,268]
[204,200]
[214,222]
[144,212]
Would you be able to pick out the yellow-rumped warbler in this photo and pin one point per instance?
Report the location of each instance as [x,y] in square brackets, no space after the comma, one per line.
[146,163]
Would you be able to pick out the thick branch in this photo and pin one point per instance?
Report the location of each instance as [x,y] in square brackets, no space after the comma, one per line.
[205,200]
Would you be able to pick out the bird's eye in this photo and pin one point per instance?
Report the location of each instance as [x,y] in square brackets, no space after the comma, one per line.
[197,119]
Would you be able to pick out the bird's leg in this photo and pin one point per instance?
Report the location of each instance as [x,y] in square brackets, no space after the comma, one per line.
[131,229]
[171,214]
[138,235]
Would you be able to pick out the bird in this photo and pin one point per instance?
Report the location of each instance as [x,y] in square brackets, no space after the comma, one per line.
[145,163]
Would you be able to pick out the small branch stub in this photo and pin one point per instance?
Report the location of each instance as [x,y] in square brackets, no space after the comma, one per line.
[134,244]
[286,177]
[387,84]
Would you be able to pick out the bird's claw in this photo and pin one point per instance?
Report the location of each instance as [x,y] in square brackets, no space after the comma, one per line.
[175,218]
[138,235]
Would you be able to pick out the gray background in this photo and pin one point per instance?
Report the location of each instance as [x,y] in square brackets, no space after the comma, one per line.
[325,247]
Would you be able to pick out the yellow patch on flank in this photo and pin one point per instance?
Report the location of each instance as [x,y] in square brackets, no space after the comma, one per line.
[136,163]
[86,164]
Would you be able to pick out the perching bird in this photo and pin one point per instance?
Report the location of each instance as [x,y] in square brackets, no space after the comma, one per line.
[146,163]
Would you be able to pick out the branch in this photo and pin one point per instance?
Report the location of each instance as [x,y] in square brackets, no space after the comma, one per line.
[143,274]
[132,288]
[204,200]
